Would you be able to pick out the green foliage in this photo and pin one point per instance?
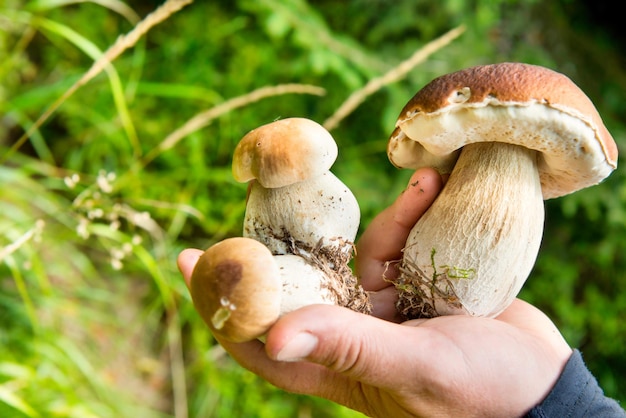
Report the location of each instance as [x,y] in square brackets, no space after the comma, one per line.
[94,207]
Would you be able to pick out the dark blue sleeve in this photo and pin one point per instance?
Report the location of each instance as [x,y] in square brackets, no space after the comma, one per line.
[577,395]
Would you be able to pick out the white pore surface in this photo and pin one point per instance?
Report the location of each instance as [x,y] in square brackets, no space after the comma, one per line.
[571,155]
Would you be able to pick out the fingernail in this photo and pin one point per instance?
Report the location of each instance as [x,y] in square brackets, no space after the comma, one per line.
[298,348]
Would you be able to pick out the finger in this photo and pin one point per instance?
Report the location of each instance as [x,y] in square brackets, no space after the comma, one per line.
[336,354]
[352,345]
[186,261]
[384,304]
[367,364]
[294,376]
[386,236]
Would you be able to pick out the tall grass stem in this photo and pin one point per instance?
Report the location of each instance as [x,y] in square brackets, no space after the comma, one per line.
[393,75]
[103,62]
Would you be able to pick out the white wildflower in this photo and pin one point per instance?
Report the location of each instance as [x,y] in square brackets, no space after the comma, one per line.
[114,225]
[142,220]
[81,229]
[71,181]
[103,181]
[117,253]
[95,213]
[127,247]
[116,264]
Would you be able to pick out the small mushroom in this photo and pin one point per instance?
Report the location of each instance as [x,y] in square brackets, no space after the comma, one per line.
[510,135]
[240,288]
[295,204]
[233,281]
[300,225]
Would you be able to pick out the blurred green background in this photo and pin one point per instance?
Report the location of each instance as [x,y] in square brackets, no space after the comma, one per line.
[95,320]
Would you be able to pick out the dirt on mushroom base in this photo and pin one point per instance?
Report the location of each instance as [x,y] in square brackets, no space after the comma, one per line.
[331,260]
[418,293]
[343,285]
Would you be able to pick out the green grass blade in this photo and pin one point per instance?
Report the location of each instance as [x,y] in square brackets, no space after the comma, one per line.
[90,49]
[10,398]
[115,5]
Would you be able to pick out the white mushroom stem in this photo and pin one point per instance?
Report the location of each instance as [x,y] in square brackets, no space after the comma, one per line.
[473,249]
[316,220]
[302,284]
[317,212]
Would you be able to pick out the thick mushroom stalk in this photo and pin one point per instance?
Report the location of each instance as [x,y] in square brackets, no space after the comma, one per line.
[315,219]
[319,214]
[510,135]
[485,225]
[304,218]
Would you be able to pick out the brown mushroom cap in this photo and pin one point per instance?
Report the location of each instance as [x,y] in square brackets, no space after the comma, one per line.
[236,288]
[284,152]
[515,103]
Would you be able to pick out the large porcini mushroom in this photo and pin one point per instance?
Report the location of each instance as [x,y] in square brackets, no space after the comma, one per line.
[300,225]
[510,135]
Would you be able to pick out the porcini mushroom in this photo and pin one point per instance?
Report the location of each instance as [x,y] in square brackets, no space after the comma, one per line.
[305,220]
[233,281]
[240,288]
[510,135]
[295,204]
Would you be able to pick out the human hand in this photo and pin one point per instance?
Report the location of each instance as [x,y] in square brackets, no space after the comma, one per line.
[445,366]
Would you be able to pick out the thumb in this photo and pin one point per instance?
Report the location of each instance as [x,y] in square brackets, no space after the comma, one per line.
[355,345]
[186,262]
